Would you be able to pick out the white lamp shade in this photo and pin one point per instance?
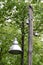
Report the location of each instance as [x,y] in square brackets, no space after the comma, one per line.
[15,48]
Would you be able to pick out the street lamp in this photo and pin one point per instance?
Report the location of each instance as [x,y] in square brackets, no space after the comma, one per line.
[15,48]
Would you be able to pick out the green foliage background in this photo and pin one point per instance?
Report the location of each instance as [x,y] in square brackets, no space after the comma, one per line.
[17,11]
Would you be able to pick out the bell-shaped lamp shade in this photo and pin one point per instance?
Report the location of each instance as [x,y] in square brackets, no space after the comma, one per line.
[15,48]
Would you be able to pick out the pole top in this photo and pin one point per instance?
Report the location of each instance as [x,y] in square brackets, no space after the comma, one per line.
[31,7]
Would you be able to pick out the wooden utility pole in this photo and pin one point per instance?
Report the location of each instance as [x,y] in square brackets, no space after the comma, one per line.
[30,35]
